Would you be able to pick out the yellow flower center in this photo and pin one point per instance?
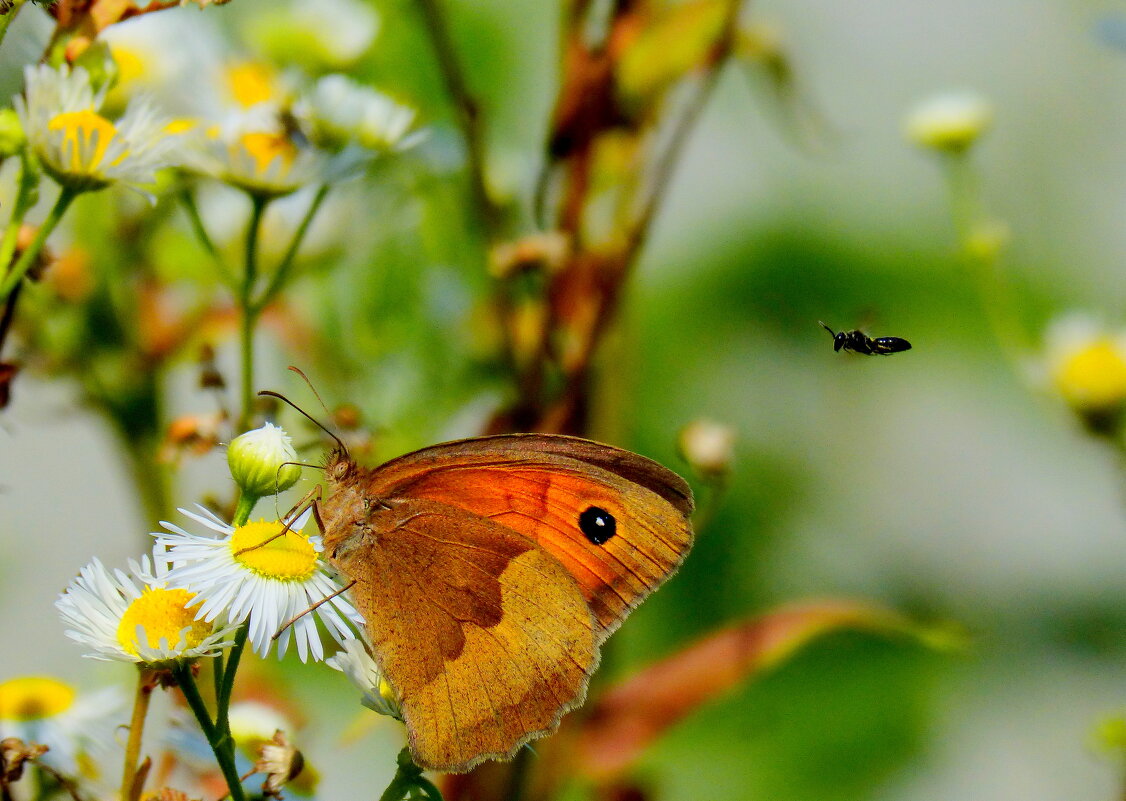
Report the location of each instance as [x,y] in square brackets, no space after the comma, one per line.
[289,557]
[180,126]
[130,63]
[80,153]
[251,83]
[161,614]
[1094,376]
[265,147]
[34,698]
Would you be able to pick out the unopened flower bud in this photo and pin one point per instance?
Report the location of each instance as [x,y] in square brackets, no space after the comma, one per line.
[261,461]
[708,447]
[949,123]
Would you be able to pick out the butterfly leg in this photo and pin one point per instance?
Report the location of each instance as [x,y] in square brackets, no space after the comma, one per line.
[311,498]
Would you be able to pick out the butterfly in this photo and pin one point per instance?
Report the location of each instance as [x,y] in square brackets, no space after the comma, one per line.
[490,571]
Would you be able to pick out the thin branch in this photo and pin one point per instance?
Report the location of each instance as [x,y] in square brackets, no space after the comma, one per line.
[467,112]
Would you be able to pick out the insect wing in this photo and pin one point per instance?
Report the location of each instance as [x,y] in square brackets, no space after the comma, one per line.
[484,636]
[890,345]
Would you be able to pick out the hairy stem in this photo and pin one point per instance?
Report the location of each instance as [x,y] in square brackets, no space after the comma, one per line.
[136,731]
[249,314]
[218,737]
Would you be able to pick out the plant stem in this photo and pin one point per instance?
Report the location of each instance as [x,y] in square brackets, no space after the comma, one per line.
[282,273]
[227,686]
[467,112]
[6,19]
[243,509]
[248,311]
[993,290]
[28,257]
[218,738]
[25,192]
[188,201]
[408,777]
[136,730]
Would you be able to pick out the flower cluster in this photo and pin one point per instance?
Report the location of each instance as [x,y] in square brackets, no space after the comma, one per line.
[207,589]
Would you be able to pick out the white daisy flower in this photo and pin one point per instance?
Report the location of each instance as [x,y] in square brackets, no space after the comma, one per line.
[356,663]
[339,112]
[135,618]
[78,147]
[75,726]
[254,152]
[277,579]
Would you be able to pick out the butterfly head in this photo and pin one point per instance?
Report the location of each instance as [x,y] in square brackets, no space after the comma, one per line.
[339,466]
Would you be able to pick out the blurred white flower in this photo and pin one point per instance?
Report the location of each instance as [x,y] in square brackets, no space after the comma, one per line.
[949,122]
[339,112]
[80,148]
[75,726]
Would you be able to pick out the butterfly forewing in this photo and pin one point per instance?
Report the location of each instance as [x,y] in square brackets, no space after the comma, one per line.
[527,484]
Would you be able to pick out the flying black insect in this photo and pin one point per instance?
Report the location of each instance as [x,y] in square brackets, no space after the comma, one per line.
[859,342]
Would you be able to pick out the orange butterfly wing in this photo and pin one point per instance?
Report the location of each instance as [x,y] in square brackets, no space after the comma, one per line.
[541,485]
[485,639]
[490,570]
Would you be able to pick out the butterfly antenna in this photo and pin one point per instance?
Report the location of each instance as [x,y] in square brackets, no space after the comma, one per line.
[309,383]
[313,420]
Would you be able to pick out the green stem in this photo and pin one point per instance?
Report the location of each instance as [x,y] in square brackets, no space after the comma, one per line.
[408,777]
[28,257]
[25,194]
[993,290]
[281,275]
[227,686]
[6,19]
[188,201]
[136,730]
[248,310]
[245,507]
[218,738]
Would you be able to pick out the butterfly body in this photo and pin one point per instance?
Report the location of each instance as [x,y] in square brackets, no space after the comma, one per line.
[490,571]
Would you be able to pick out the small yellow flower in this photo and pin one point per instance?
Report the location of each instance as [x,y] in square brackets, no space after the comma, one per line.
[78,146]
[255,153]
[46,710]
[949,123]
[1086,365]
[134,618]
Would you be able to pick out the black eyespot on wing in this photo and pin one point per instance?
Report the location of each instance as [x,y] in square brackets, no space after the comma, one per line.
[597,525]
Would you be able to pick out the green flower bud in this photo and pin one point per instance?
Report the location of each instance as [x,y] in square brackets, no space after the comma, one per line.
[260,461]
[12,138]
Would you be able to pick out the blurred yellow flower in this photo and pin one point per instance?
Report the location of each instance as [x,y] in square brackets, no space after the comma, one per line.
[1086,365]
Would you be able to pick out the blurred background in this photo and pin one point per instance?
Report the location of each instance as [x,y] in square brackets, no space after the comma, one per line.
[948,483]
